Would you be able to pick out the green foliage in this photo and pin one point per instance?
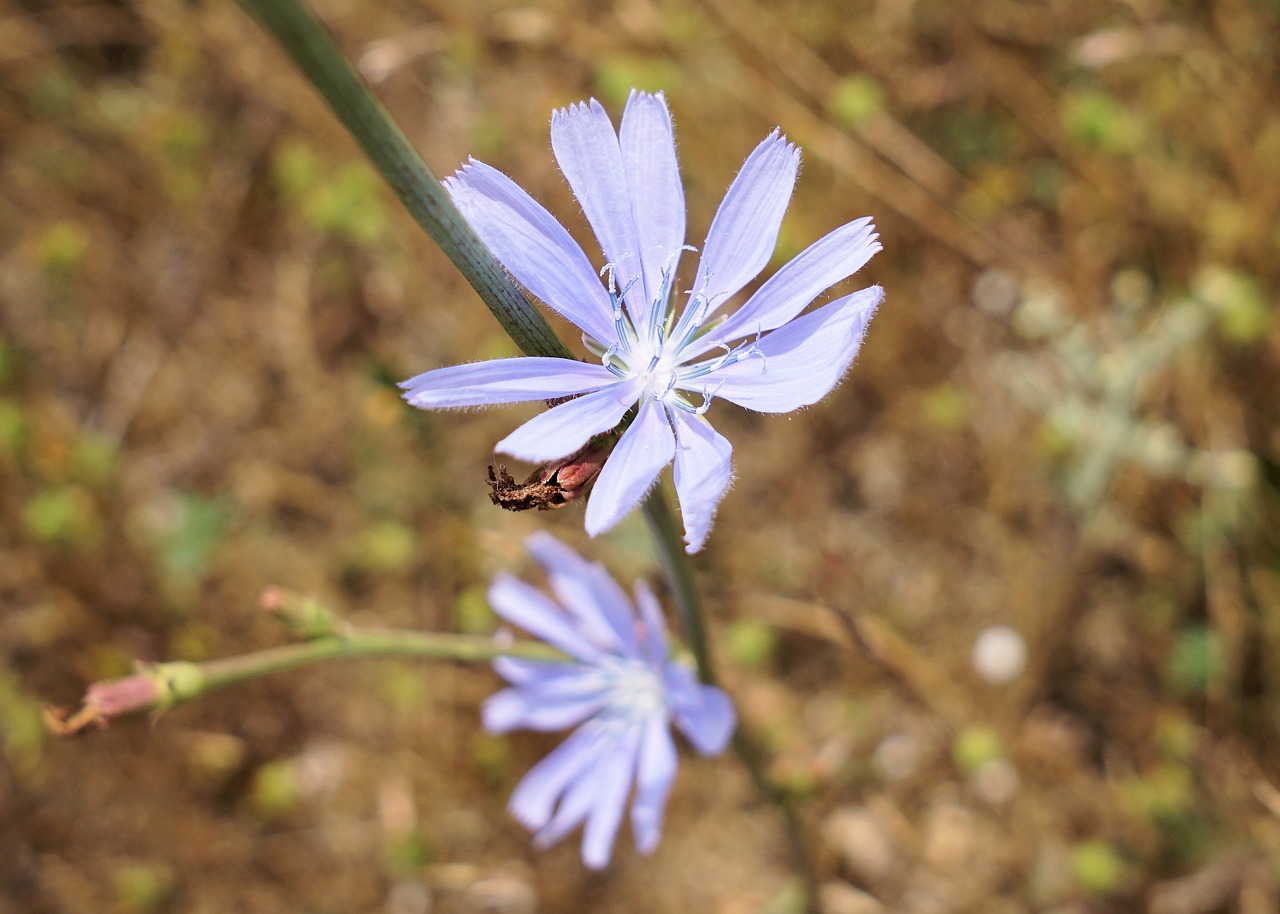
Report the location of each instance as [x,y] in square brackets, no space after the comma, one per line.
[1196,660]
[1237,302]
[471,612]
[142,887]
[750,644]
[491,754]
[61,249]
[93,459]
[53,91]
[1161,795]
[22,730]
[1098,868]
[384,547]
[347,202]
[13,428]
[946,407]
[854,100]
[403,688]
[975,746]
[618,74]
[64,517]
[407,853]
[187,534]
[275,789]
[1099,121]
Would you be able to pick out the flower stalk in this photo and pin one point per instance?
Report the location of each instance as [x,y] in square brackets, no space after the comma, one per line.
[314,51]
[158,687]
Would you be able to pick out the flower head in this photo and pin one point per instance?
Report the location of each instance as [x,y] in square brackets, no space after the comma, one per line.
[620,690]
[662,351]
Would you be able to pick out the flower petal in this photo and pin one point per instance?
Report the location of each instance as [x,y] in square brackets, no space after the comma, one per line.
[653,629]
[518,671]
[703,472]
[655,773]
[552,706]
[530,609]
[586,147]
[586,590]
[820,266]
[745,229]
[504,381]
[565,428]
[653,186]
[645,448]
[534,247]
[534,799]
[613,777]
[802,360]
[703,713]
[597,794]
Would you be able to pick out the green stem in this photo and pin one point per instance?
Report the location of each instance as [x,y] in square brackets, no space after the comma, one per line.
[679,571]
[367,642]
[163,685]
[317,55]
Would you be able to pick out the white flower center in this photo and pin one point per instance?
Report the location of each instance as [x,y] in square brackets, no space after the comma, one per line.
[634,690]
[653,347]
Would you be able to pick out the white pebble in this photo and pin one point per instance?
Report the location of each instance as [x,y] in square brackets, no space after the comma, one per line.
[999,654]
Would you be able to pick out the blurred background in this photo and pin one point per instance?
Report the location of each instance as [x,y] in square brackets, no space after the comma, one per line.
[1005,607]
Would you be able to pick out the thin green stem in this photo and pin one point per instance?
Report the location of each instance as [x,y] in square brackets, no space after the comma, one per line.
[679,571]
[317,55]
[163,685]
[367,642]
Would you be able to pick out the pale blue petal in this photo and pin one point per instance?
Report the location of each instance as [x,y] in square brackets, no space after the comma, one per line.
[597,792]
[589,592]
[653,186]
[703,472]
[645,448]
[504,381]
[527,607]
[564,429]
[534,247]
[543,709]
[534,800]
[587,149]
[703,713]
[653,637]
[613,779]
[802,361]
[745,229]
[655,773]
[518,671]
[789,291]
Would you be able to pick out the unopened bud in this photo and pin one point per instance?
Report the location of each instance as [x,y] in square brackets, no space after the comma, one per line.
[552,485]
[302,615]
[151,689]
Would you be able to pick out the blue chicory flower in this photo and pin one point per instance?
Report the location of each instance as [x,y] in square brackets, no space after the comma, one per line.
[620,689]
[666,361]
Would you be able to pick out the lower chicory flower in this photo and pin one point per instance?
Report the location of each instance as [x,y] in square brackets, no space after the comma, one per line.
[620,689]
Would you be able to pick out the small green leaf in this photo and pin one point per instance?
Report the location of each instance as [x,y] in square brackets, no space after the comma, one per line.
[854,100]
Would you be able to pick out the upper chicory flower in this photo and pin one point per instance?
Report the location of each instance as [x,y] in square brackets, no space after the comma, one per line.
[665,357]
[620,690]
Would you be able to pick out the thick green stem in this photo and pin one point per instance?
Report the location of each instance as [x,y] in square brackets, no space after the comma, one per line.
[317,55]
